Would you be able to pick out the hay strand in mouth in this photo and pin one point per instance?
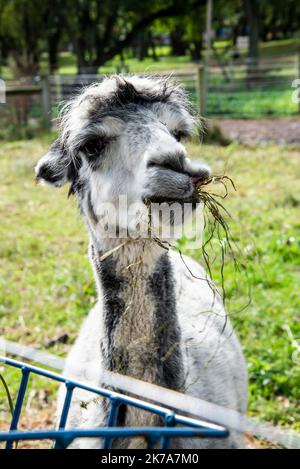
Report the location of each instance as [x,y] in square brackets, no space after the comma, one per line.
[215,222]
[216,227]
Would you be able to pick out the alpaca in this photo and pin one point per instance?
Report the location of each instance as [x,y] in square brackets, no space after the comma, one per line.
[154,320]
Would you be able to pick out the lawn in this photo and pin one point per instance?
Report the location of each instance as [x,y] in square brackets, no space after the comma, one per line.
[274,101]
[47,288]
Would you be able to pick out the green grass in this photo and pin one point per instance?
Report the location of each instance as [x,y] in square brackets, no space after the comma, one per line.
[47,288]
[266,228]
[252,103]
[280,48]
[284,48]
[164,63]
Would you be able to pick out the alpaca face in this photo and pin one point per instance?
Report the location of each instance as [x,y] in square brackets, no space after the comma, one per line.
[121,140]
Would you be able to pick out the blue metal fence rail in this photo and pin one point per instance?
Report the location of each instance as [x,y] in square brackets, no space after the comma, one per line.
[155,436]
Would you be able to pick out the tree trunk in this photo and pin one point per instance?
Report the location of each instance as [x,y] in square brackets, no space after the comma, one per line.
[142,46]
[85,63]
[53,44]
[252,16]
[153,46]
[25,64]
[177,43]
[4,50]
[196,50]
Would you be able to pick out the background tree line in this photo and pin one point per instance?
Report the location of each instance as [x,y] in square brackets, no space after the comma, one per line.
[99,30]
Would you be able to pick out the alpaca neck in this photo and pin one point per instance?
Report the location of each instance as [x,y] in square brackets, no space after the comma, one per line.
[141,332]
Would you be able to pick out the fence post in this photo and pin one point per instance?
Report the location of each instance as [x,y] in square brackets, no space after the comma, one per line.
[46,102]
[201,90]
[58,88]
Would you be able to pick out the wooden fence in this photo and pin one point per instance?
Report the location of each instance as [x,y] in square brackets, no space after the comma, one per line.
[234,91]
[55,89]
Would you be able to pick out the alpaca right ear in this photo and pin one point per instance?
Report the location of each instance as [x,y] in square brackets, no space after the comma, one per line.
[53,167]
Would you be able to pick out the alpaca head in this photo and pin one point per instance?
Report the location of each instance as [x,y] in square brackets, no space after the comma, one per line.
[122,138]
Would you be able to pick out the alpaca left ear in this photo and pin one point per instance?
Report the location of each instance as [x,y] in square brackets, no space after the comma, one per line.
[53,167]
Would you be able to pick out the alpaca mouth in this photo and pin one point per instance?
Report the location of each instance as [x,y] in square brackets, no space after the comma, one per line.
[197,180]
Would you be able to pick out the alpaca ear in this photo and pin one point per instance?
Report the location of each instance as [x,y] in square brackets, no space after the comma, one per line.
[53,167]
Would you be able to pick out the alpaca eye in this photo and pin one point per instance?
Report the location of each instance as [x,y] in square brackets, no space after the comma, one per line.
[178,136]
[93,148]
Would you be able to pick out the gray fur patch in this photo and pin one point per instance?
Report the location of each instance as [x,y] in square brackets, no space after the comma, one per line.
[166,333]
[114,305]
[169,360]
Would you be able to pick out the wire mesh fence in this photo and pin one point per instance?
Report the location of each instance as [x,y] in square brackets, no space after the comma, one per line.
[63,88]
[172,426]
[231,91]
[236,91]
[245,92]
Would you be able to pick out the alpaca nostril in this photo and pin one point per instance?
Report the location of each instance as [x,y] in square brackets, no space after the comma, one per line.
[198,171]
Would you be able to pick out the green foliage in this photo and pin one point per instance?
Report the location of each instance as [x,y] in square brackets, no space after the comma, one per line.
[100,30]
[22,25]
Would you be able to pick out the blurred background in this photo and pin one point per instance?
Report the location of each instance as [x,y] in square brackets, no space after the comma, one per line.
[240,62]
[238,58]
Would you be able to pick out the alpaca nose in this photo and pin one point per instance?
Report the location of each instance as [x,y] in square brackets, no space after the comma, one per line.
[197,170]
[172,161]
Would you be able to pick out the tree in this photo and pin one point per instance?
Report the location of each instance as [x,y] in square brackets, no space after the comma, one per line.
[3,38]
[195,27]
[30,27]
[252,15]
[21,25]
[274,23]
[103,29]
[55,14]
[177,33]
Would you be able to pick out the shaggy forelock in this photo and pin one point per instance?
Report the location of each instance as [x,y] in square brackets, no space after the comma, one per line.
[119,97]
[139,91]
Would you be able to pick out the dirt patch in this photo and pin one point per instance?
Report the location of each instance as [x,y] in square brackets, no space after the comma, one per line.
[34,418]
[280,131]
[254,443]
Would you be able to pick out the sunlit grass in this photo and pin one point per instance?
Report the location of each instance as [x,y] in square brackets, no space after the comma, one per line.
[266,229]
